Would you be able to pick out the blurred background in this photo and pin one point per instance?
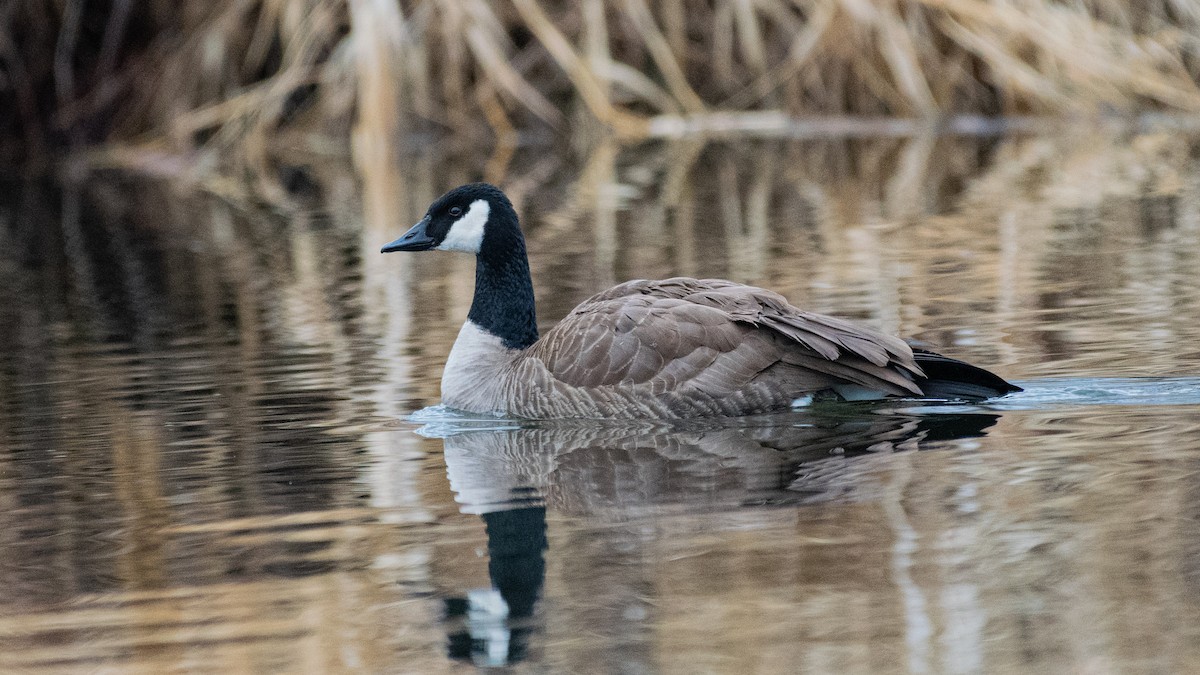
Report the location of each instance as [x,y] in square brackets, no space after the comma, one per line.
[206,463]
[253,91]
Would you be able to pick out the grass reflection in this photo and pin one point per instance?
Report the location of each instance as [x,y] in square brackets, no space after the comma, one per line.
[199,401]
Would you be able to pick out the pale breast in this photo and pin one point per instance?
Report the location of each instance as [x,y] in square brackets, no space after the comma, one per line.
[477,376]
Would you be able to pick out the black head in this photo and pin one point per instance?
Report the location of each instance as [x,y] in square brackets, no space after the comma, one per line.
[479,219]
[458,221]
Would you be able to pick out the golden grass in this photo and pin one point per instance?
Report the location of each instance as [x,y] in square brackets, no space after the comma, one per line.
[227,83]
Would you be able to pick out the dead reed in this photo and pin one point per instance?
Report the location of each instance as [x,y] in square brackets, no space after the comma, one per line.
[231,84]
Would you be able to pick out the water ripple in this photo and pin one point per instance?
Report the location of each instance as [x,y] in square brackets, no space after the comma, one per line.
[1083,391]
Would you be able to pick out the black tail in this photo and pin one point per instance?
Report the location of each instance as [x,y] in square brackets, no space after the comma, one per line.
[953,379]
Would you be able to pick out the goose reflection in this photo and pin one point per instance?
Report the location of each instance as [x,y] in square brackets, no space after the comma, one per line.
[491,624]
[510,476]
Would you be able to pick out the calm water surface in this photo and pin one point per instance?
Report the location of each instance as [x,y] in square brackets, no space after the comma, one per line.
[221,450]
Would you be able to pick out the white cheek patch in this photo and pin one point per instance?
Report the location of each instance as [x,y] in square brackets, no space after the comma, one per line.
[466,234]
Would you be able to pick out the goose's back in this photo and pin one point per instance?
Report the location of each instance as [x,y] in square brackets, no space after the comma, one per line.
[689,347]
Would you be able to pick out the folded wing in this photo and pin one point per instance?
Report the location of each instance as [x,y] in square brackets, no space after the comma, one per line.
[710,339]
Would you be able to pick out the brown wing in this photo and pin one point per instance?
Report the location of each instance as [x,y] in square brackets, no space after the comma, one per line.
[716,337]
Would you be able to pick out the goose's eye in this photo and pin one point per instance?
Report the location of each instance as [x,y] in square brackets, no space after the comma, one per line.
[455,211]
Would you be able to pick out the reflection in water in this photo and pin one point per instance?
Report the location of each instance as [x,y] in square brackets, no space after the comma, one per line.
[203,467]
[783,459]
[494,633]
[508,476]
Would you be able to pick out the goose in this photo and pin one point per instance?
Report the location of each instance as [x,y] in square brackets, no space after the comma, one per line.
[662,349]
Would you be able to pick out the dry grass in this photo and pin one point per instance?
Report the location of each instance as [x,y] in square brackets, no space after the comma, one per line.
[228,84]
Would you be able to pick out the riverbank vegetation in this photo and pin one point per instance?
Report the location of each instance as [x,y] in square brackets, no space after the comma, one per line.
[227,86]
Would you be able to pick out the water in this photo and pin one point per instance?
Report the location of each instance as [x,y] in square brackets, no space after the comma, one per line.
[221,451]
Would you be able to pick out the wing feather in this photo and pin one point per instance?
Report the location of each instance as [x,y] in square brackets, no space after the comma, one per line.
[713,338]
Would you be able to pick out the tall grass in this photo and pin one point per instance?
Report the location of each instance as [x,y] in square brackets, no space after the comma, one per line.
[229,83]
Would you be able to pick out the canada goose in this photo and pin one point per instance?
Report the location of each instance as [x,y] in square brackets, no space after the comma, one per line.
[674,348]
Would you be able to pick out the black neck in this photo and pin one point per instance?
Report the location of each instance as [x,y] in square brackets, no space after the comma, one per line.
[503,304]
